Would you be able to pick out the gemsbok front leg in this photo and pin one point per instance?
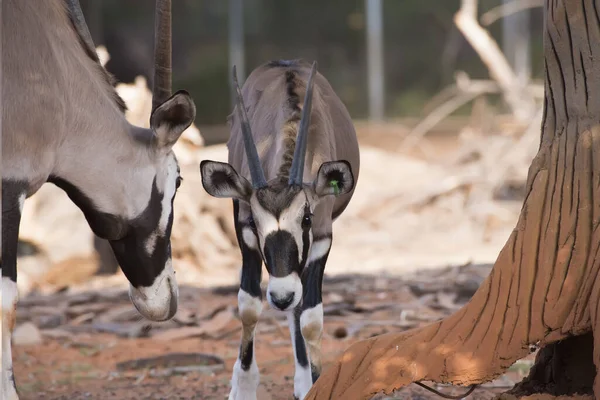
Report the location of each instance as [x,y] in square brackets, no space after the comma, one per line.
[302,375]
[306,322]
[311,319]
[246,377]
[13,198]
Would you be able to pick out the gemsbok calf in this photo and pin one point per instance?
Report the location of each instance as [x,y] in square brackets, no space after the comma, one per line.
[63,122]
[292,171]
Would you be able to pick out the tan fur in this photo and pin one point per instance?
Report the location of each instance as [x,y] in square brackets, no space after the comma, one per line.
[50,85]
[331,137]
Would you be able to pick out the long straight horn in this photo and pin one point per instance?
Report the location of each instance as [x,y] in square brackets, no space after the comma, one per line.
[81,26]
[161,89]
[256,171]
[297,168]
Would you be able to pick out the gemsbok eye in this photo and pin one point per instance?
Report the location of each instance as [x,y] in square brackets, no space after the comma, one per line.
[178,182]
[307,221]
[252,223]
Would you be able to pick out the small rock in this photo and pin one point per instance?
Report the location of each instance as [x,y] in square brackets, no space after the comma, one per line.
[340,332]
[26,334]
[82,298]
[122,313]
[50,321]
[185,316]
[85,308]
[133,330]
[83,318]
[334,298]
[57,334]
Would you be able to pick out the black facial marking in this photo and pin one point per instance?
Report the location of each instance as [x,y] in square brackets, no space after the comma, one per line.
[305,246]
[11,218]
[247,354]
[252,224]
[307,218]
[128,237]
[281,254]
[139,267]
[104,225]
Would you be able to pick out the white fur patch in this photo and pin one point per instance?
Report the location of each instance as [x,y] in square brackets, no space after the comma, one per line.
[10,296]
[150,243]
[311,323]
[302,375]
[250,307]
[168,193]
[244,383]
[265,221]
[281,287]
[22,198]
[318,250]
[249,238]
[154,302]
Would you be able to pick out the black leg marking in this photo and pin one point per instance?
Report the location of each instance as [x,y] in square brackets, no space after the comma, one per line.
[250,283]
[247,354]
[11,219]
[251,259]
[13,193]
[301,354]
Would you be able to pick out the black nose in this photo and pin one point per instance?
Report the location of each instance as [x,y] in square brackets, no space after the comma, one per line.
[282,302]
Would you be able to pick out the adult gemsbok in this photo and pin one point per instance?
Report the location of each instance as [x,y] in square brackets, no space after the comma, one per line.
[63,122]
[302,162]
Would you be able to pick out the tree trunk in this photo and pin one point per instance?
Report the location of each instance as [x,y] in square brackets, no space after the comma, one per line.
[545,285]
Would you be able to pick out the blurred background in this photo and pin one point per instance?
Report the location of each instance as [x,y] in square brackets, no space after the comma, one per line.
[446,97]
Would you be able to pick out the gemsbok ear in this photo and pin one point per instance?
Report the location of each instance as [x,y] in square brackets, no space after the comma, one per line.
[171,118]
[221,180]
[334,178]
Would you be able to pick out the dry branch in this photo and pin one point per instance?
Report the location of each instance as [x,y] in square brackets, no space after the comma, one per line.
[454,97]
[504,10]
[520,102]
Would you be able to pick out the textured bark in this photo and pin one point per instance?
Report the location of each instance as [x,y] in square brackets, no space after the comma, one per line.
[545,284]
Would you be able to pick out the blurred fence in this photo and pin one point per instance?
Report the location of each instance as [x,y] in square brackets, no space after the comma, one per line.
[420,46]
